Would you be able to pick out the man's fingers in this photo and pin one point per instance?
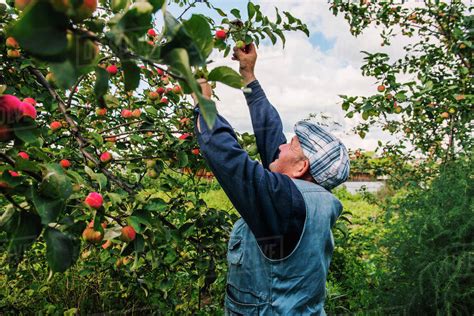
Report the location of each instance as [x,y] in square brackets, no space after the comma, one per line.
[251,48]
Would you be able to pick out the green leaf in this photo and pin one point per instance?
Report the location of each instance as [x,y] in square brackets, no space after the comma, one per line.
[62,249]
[131,75]
[280,34]
[198,28]
[250,10]
[101,83]
[25,232]
[133,23]
[178,59]
[41,31]
[194,36]
[47,208]
[236,13]
[26,165]
[182,159]
[100,178]
[365,115]
[56,184]
[278,20]
[270,35]
[156,205]
[65,73]
[28,132]
[227,76]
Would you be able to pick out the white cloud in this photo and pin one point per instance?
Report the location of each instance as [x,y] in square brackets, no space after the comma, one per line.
[303,79]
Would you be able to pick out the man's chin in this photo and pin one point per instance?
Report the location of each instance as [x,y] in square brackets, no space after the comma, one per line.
[272,167]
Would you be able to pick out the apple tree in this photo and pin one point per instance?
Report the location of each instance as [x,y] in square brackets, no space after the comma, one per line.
[96,128]
[424,98]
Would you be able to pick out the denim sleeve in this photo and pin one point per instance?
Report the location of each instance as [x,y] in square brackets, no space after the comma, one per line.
[266,123]
[269,202]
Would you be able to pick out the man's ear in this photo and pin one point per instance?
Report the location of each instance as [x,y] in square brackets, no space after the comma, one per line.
[301,168]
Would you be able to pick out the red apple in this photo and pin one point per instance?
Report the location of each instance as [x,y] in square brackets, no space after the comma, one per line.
[24,155]
[100,111]
[177,89]
[160,71]
[184,136]
[12,43]
[381,88]
[55,125]
[65,163]
[153,95]
[165,80]
[151,33]
[221,34]
[164,100]
[112,70]
[195,151]
[160,90]
[126,113]
[128,233]
[13,173]
[91,235]
[94,200]
[28,110]
[105,157]
[30,101]
[444,115]
[136,113]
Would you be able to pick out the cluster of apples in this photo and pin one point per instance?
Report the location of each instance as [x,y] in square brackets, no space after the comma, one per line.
[221,35]
[152,36]
[12,110]
[95,201]
[13,48]
[396,108]
[161,91]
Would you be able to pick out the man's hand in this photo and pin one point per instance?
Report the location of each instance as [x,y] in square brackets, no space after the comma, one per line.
[206,90]
[247,58]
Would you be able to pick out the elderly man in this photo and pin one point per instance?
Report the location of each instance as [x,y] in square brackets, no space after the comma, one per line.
[279,251]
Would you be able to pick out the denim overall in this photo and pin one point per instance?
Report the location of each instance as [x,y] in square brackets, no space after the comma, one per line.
[294,285]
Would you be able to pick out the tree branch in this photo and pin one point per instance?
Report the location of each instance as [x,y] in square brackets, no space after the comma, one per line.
[77,135]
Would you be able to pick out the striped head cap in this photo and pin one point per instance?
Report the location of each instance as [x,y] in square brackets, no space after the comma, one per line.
[328,157]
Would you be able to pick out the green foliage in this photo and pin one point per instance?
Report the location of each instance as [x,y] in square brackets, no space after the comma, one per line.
[427,93]
[357,262]
[430,246]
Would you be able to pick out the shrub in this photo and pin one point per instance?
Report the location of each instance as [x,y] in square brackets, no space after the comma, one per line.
[431,244]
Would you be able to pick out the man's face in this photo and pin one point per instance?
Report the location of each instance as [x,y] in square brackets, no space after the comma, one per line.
[290,155]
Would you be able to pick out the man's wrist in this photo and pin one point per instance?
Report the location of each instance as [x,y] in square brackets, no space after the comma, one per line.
[248,79]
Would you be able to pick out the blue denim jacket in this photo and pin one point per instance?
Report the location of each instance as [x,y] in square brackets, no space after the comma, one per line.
[294,285]
[269,202]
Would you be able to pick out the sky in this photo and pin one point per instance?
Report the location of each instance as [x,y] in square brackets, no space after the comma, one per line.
[309,74]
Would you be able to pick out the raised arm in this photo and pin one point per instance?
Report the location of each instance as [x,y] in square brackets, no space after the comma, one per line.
[266,121]
[269,202]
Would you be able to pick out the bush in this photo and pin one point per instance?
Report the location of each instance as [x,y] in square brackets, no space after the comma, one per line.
[431,244]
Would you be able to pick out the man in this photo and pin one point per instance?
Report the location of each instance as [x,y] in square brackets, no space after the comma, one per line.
[279,251]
